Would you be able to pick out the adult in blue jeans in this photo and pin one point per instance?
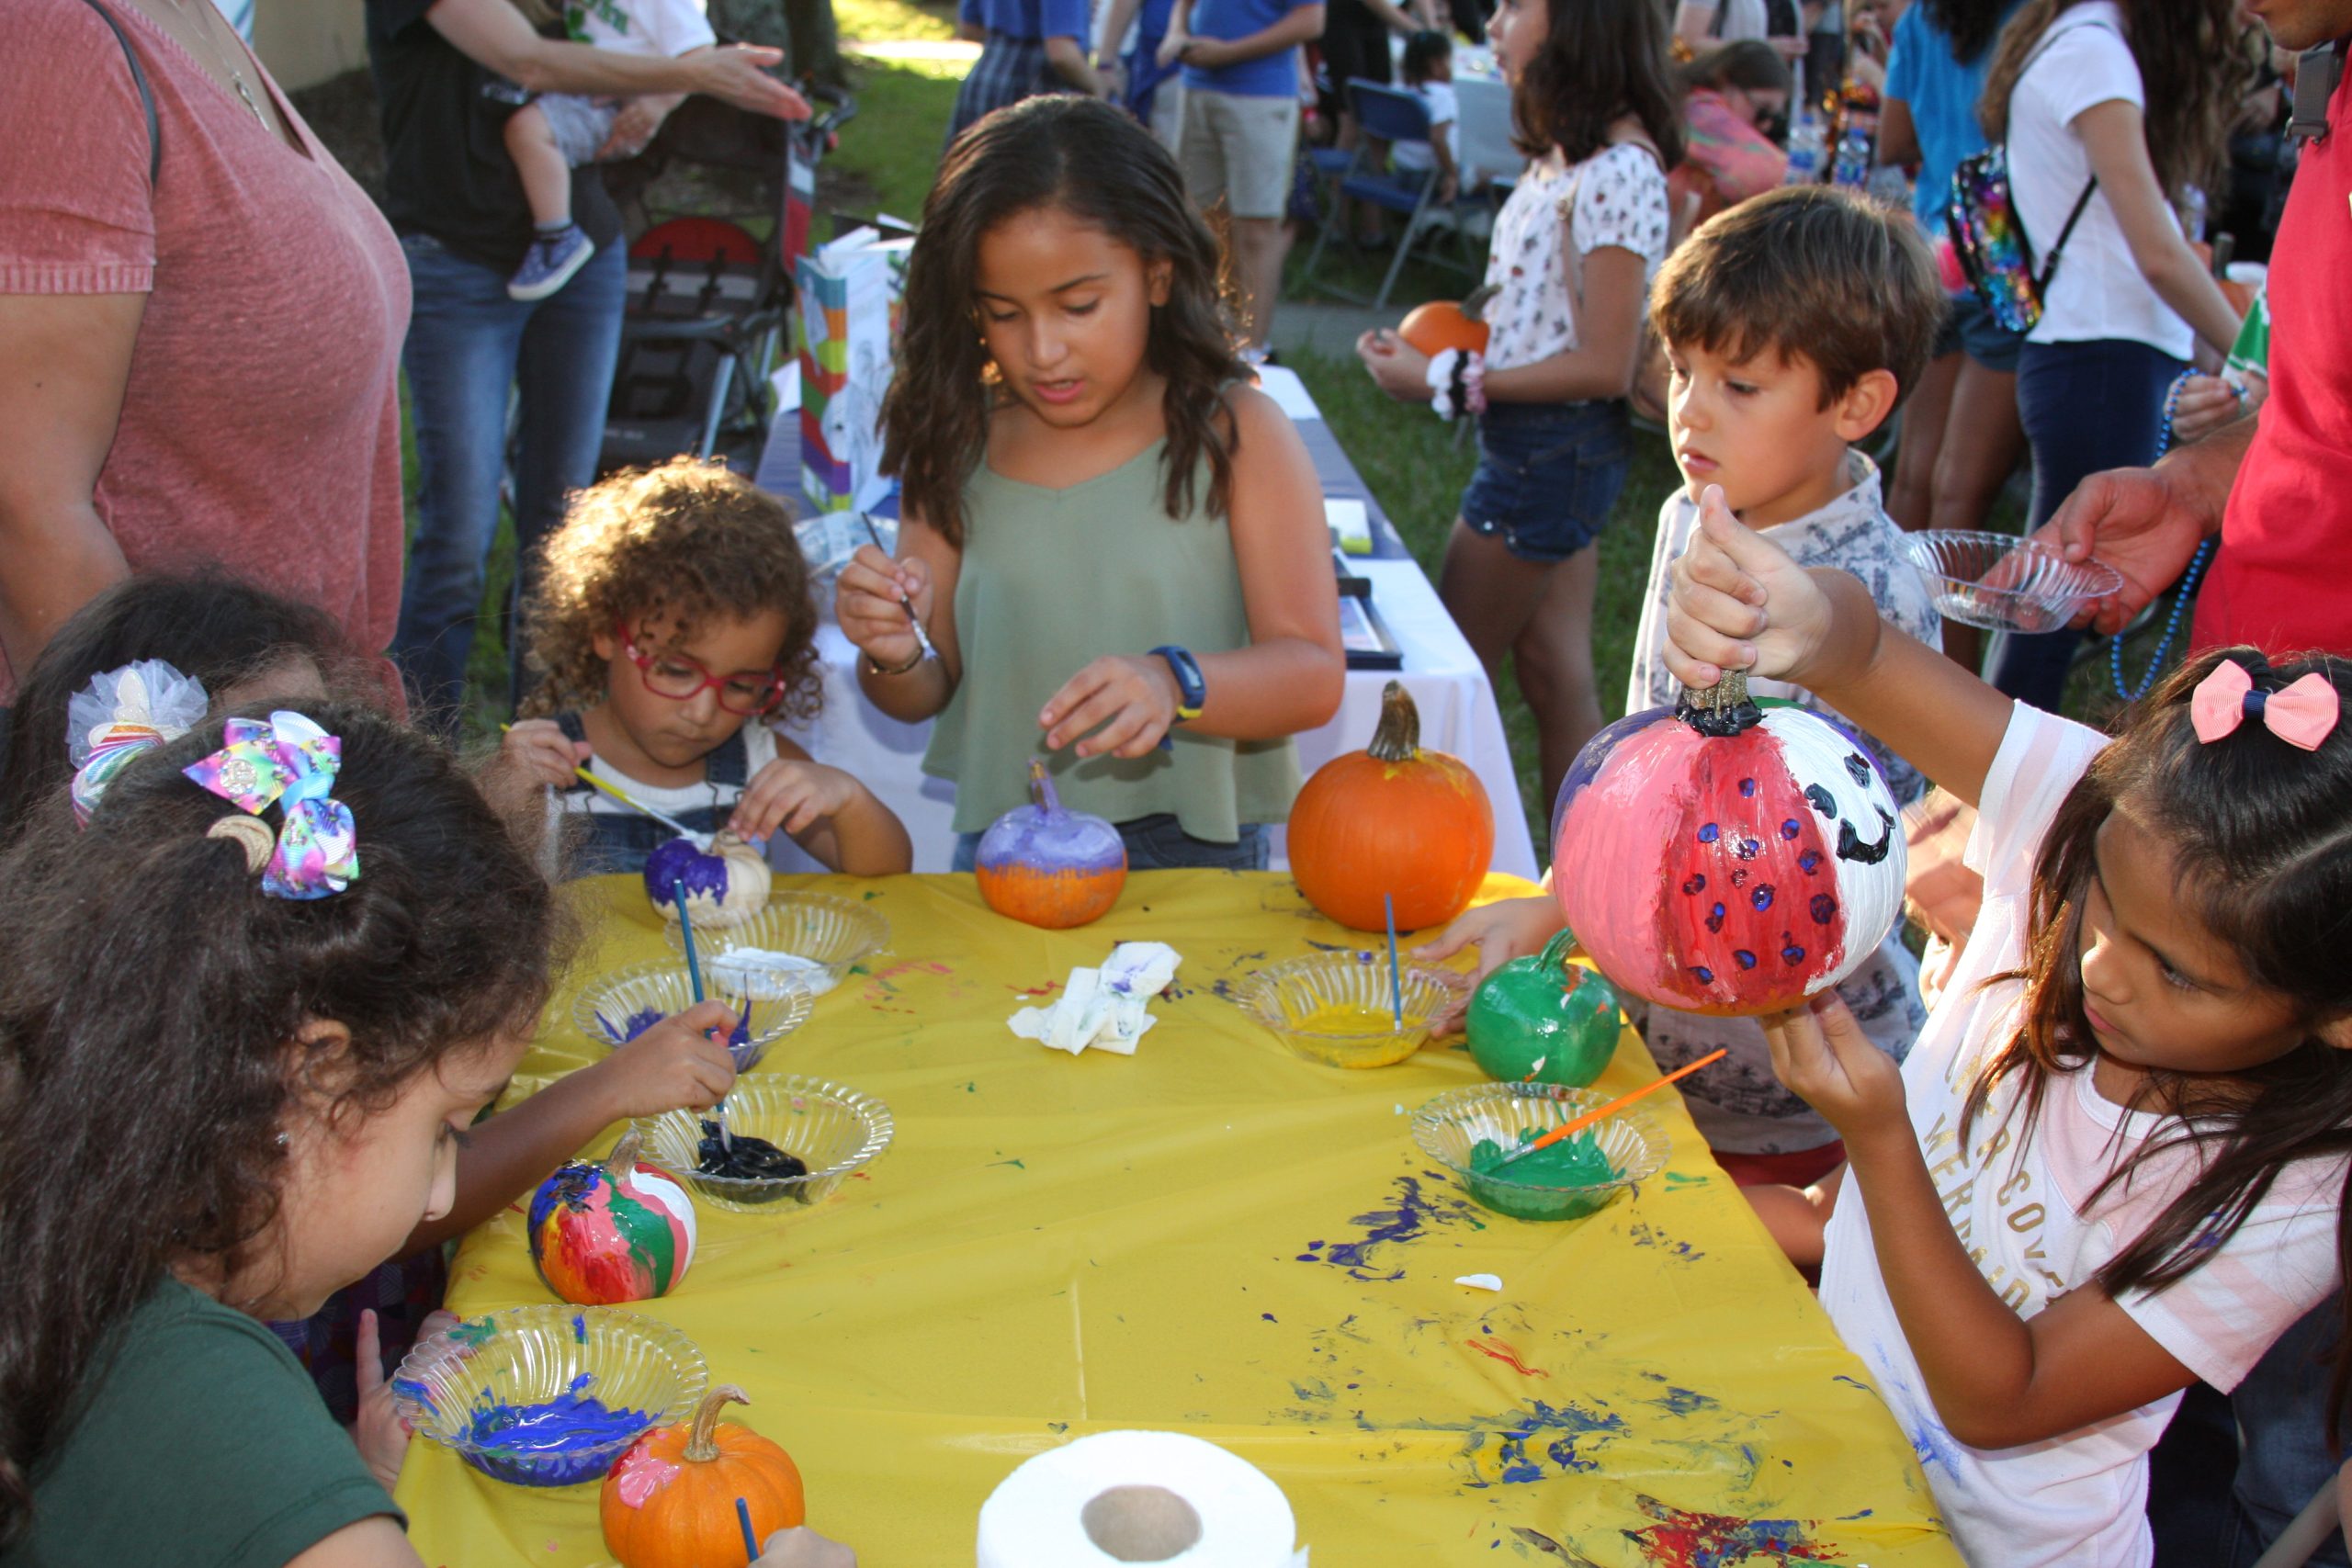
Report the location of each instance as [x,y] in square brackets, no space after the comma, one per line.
[447,74]
[2104,106]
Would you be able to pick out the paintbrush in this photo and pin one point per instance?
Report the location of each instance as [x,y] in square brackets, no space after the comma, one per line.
[1396,975]
[701,841]
[1569,1129]
[694,981]
[922,637]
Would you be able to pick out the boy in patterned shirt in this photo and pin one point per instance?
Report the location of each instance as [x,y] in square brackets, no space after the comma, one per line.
[1793,324]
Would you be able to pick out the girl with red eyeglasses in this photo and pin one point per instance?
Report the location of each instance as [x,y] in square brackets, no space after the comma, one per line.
[673,627]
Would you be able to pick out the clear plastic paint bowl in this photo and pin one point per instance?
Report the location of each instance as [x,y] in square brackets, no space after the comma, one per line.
[2003,583]
[461,1389]
[622,1005]
[831,934]
[1337,1007]
[1449,1126]
[832,1129]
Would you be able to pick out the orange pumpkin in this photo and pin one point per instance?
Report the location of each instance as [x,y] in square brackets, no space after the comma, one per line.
[669,1500]
[1392,818]
[1442,324]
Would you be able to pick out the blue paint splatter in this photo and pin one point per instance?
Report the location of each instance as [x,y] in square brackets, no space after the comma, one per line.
[1413,1216]
[1536,1442]
[1682,1401]
[1649,1236]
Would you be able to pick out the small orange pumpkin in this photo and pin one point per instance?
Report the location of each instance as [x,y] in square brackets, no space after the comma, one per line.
[1442,324]
[1392,819]
[669,1500]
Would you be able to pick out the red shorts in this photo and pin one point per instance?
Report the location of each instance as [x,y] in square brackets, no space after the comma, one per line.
[1799,1167]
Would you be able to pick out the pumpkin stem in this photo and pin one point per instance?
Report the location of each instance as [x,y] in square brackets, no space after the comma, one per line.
[1554,956]
[1041,787]
[702,1444]
[1474,304]
[1397,738]
[1720,710]
[623,1159]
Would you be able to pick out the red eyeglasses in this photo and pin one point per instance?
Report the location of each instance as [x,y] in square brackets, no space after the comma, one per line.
[682,678]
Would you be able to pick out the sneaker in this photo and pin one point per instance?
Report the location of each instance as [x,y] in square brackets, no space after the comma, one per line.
[549,265]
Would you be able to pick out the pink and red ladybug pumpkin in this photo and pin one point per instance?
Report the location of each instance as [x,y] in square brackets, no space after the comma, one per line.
[1718,858]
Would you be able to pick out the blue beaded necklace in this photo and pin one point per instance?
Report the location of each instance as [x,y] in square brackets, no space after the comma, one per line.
[2181,594]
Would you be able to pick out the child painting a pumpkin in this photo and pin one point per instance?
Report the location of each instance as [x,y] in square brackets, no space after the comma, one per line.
[231,645]
[671,625]
[2116,1160]
[1115,546]
[1792,324]
[1594,103]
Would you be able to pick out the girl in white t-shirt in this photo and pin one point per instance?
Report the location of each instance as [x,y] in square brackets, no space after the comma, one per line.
[2114,1162]
[2121,108]
[1575,247]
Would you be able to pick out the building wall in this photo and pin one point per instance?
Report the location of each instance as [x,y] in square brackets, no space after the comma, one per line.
[305,42]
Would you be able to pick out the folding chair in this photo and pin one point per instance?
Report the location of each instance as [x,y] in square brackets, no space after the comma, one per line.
[1385,115]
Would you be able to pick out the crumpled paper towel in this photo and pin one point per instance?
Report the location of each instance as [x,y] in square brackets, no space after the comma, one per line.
[1103,1007]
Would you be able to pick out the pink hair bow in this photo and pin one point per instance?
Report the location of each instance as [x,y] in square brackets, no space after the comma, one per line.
[2303,714]
[292,762]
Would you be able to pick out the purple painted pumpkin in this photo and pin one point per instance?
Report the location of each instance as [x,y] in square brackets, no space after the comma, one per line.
[1722,859]
[1050,867]
[726,884]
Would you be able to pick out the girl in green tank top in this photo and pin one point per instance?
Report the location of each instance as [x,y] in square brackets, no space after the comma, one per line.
[1114,547]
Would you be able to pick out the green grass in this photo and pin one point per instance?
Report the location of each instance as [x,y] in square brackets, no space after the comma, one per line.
[1410,463]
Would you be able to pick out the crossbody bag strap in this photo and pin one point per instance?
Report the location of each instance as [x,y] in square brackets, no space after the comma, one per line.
[2090,187]
[146,92]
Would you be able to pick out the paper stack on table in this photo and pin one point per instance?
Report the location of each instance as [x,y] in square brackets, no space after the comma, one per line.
[1103,1007]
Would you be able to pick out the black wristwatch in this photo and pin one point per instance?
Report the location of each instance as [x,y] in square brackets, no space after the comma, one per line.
[1191,689]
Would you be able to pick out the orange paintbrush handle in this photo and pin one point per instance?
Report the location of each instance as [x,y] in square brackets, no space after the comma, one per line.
[1623,1100]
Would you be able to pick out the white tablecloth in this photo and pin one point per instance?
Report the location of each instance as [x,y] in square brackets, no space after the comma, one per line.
[1448,684]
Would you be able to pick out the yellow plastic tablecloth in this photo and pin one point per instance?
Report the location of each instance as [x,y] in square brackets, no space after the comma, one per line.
[1217,1237]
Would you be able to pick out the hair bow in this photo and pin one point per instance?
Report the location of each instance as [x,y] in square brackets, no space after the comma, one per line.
[2301,713]
[292,762]
[120,714]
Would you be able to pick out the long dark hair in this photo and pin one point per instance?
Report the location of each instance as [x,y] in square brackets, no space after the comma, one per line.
[1602,61]
[1747,63]
[1968,25]
[212,627]
[2191,73]
[152,991]
[2261,838]
[1097,165]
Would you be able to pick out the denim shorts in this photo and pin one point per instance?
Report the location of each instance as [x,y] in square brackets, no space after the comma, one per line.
[1969,328]
[1548,474]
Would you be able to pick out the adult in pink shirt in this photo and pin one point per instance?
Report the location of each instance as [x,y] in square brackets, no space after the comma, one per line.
[199,367]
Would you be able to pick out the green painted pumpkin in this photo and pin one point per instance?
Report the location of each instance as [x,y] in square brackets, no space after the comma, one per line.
[1545,1019]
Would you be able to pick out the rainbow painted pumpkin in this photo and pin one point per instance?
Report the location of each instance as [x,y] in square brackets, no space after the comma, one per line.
[669,1501]
[1719,857]
[1394,820]
[1047,866]
[619,1231]
[1442,324]
[726,883]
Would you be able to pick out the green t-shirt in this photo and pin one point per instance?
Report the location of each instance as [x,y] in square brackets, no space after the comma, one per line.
[204,1446]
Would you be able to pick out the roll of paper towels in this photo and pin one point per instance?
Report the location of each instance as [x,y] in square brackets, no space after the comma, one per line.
[1128,1497]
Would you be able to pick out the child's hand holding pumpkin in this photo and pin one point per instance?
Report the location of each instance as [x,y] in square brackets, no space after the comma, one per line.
[1505,929]
[1740,602]
[1821,1054]
[803,1548]
[794,794]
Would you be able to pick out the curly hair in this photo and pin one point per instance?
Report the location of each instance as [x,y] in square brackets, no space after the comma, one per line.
[686,539]
[2191,74]
[443,943]
[1099,165]
[212,627]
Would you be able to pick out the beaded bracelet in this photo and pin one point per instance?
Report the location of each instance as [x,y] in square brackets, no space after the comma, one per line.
[2187,586]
